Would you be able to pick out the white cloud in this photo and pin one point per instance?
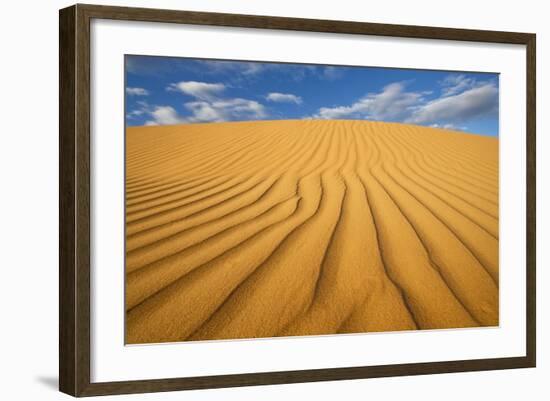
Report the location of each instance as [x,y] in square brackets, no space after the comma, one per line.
[164,115]
[135,113]
[283,98]
[208,106]
[456,83]
[448,126]
[253,68]
[332,73]
[392,103]
[232,67]
[328,113]
[225,110]
[462,99]
[243,72]
[476,102]
[200,90]
[204,111]
[142,108]
[137,91]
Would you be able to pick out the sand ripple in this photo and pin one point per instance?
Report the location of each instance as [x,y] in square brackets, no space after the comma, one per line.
[278,228]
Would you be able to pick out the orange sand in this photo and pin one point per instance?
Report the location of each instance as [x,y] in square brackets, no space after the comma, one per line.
[280,228]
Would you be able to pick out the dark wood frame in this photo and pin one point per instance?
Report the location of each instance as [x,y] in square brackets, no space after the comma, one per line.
[74,199]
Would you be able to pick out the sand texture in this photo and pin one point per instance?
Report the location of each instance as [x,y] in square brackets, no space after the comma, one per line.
[283,228]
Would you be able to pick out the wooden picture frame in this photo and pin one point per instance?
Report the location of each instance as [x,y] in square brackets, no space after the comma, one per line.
[74,203]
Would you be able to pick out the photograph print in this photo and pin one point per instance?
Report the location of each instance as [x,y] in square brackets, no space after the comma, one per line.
[268,199]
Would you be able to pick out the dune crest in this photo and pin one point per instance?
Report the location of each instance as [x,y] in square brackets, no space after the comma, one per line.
[283,228]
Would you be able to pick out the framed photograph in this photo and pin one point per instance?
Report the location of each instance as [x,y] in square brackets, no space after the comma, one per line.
[250,200]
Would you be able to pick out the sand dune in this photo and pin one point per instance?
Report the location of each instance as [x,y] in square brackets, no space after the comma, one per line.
[277,228]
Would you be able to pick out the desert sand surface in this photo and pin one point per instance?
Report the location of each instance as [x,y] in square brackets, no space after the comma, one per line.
[285,228]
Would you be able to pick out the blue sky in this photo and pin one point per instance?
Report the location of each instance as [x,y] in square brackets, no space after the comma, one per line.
[166,90]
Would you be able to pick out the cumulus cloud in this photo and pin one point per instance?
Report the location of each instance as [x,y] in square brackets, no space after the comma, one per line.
[461,99]
[225,110]
[159,115]
[137,91]
[283,98]
[476,102]
[200,90]
[391,104]
[204,112]
[165,115]
[206,107]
